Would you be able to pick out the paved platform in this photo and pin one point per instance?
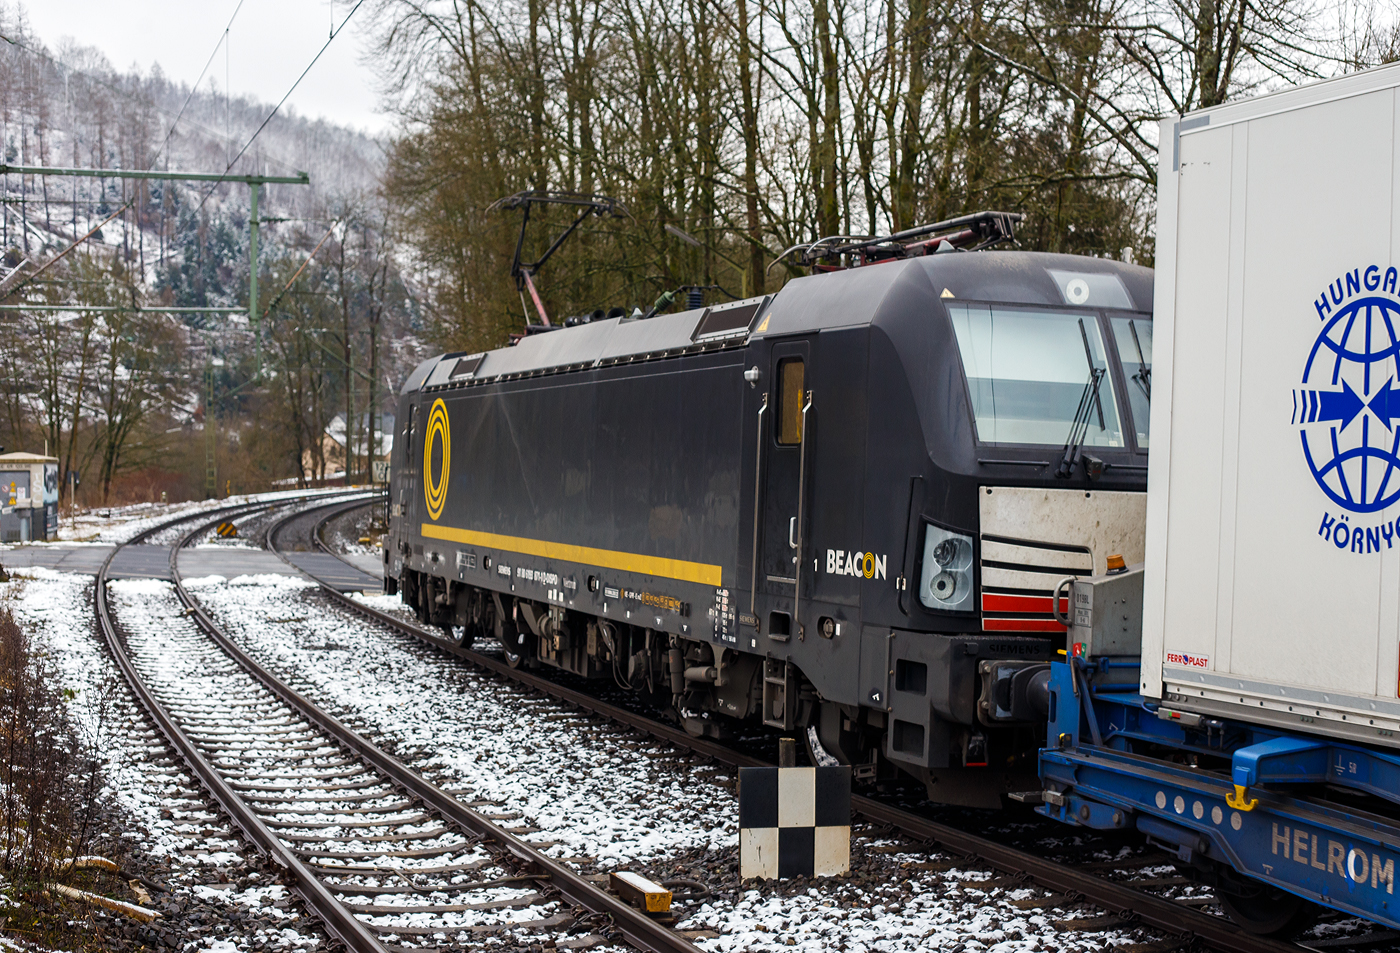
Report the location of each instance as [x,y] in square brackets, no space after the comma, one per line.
[230,561]
[141,562]
[153,562]
[370,565]
[133,562]
[71,557]
[335,573]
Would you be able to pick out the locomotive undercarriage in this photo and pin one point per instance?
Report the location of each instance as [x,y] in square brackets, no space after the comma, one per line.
[709,688]
[712,691]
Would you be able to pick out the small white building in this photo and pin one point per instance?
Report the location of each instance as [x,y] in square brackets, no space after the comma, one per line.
[334,439]
[28,497]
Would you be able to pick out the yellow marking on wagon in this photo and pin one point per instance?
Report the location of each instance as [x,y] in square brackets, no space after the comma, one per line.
[703,573]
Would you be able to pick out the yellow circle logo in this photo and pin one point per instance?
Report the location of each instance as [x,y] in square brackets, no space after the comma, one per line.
[435,484]
[868,565]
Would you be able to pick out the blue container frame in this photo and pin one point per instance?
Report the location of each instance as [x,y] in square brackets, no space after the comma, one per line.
[1218,791]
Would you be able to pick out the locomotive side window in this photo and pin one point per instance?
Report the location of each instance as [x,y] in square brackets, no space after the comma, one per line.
[1134,338]
[1032,373]
[790,374]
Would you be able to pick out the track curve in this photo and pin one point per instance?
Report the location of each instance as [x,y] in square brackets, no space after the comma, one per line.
[266,824]
[339,922]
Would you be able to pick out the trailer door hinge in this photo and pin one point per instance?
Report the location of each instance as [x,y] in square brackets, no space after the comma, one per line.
[900,583]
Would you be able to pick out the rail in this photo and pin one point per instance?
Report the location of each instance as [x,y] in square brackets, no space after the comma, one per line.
[339,922]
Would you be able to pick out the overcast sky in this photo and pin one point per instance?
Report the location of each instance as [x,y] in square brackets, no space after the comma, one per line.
[270,43]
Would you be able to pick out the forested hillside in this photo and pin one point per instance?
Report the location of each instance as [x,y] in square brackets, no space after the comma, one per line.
[122,395]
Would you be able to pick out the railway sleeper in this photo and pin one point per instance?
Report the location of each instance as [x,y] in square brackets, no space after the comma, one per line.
[556,922]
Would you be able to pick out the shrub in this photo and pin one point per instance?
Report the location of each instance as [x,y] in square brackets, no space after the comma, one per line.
[49,778]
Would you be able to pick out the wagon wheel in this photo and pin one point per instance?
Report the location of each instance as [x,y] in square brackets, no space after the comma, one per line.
[1264,910]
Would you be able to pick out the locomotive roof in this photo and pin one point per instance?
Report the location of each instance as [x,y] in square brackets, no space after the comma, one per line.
[830,300]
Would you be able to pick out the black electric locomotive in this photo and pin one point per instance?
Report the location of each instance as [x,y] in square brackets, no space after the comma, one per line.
[842,509]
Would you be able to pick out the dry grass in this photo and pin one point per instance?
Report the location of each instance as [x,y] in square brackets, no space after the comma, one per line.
[51,795]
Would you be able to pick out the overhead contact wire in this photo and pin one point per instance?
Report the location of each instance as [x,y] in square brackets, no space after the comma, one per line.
[223,39]
[331,39]
[296,274]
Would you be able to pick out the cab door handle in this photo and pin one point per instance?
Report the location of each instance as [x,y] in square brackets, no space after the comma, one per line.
[792,533]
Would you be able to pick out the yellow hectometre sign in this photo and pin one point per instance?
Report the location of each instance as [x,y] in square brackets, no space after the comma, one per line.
[435,483]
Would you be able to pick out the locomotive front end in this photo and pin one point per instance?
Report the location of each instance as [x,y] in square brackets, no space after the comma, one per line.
[1008,453]
[840,511]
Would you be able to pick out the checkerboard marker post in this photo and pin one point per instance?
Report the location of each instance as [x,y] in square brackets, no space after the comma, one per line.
[794,822]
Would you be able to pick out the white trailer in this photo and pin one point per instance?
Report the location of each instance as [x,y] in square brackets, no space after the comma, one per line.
[1272,583]
[1259,746]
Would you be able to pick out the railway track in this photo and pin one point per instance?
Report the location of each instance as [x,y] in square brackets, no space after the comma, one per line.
[349,824]
[1122,904]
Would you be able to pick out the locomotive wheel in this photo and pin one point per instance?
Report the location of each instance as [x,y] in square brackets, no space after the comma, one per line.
[518,645]
[419,602]
[827,743]
[1264,910]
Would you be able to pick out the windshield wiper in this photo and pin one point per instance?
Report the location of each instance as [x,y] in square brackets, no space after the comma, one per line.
[1144,371]
[1088,402]
[1089,359]
[1079,427]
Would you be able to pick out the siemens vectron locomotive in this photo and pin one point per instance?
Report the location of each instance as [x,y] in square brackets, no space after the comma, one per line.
[842,510]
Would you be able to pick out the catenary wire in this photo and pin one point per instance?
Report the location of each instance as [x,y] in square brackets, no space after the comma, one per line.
[331,39]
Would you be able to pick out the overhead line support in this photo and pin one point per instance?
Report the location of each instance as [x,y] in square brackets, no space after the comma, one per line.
[255,183]
[301,178]
[110,307]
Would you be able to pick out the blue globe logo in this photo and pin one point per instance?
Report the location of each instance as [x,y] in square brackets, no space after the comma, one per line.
[1350,404]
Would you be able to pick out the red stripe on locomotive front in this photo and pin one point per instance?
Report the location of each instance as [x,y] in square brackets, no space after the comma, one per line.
[998,602]
[1021,625]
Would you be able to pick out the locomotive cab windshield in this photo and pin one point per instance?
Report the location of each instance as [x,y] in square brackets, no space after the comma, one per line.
[1032,374]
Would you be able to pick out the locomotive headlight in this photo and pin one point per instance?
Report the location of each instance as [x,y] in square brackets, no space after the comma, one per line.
[946,580]
[945,552]
[944,585]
